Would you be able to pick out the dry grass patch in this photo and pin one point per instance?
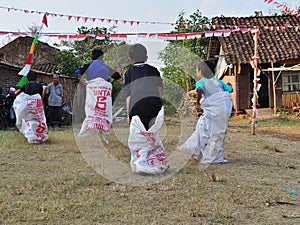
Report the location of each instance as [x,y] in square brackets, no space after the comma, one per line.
[52,184]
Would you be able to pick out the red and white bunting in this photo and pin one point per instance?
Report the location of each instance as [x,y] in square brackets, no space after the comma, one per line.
[254,30]
[183,36]
[152,35]
[283,7]
[227,33]
[254,66]
[64,37]
[171,37]
[142,35]
[100,36]
[218,33]
[209,34]
[78,37]
[161,36]
[190,35]
[84,18]
[118,37]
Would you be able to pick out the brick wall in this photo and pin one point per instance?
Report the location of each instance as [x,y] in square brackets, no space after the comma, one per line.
[9,78]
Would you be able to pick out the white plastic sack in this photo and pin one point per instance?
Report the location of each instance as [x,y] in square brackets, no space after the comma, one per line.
[98,108]
[207,141]
[147,151]
[30,117]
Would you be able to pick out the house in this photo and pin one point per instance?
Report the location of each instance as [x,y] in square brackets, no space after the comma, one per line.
[278,47]
[12,59]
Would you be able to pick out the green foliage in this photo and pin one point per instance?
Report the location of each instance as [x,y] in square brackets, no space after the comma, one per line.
[182,56]
[192,24]
[66,62]
[258,13]
[117,87]
[173,96]
[179,77]
[76,53]
[170,110]
[283,120]
[116,57]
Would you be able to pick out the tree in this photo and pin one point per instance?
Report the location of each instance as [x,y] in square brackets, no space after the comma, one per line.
[66,62]
[182,56]
[192,24]
[33,28]
[76,53]
[258,13]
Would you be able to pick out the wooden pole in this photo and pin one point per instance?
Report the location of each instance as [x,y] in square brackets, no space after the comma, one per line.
[274,89]
[254,106]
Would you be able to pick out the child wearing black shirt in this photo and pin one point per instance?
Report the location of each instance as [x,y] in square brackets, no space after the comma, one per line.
[142,87]
[32,87]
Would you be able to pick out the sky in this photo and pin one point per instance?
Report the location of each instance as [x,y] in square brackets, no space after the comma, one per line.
[164,11]
[156,10]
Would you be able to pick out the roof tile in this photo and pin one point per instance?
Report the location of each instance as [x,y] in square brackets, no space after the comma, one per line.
[273,45]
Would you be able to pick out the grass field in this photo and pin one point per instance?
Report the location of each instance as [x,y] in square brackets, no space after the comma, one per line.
[52,183]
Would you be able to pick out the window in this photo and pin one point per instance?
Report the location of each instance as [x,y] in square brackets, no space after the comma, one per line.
[291,82]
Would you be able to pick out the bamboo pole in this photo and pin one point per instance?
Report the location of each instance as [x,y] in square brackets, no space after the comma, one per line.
[274,89]
[254,106]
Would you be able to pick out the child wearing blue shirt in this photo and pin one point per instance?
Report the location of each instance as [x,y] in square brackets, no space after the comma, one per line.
[214,99]
[97,69]
[208,83]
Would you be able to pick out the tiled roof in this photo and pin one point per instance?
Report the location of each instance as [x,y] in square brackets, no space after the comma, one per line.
[46,68]
[16,52]
[273,45]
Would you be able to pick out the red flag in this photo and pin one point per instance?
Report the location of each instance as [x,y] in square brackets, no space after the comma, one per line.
[44,21]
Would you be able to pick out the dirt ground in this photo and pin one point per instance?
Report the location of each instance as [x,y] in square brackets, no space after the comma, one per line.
[52,183]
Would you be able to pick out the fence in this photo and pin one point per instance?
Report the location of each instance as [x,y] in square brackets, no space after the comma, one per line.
[290,100]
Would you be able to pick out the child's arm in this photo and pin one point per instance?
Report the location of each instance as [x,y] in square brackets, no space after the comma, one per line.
[128,109]
[199,89]
[226,87]
[199,96]
[44,91]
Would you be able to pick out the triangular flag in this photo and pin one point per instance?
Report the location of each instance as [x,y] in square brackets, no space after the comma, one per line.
[44,21]
[23,81]
[27,67]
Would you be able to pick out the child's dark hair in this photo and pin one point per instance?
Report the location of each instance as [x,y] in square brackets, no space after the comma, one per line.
[32,77]
[96,53]
[138,53]
[207,68]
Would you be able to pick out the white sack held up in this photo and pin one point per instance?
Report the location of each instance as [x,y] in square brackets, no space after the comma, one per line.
[30,117]
[98,108]
[207,141]
[147,151]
